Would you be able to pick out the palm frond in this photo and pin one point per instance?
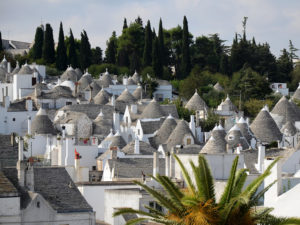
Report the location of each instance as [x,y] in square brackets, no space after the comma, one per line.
[226,196]
[207,183]
[173,191]
[162,199]
[122,211]
[240,179]
[185,174]
[254,200]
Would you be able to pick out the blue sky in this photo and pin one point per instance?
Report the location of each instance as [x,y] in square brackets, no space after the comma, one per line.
[272,21]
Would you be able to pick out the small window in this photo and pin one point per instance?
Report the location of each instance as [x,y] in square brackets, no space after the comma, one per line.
[38,204]
[68,103]
[94,167]
[156,206]
[14,119]
[230,138]
[45,105]
[188,141]
[33,81]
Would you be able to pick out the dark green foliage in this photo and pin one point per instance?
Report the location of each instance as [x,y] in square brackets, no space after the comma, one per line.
[211,121]
[72,54]
[293,51]
[186,60]
[147,55]
[97,55]
[162,44]
[95,69]
[285,66]
[85,51]
[183,113]
[111,50]
[156,59]
[37,49]
[48,45]
[61,52]
[125,26]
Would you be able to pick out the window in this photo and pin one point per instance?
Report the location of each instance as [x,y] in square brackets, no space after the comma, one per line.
[231,137]
[94,167]
[68,103]
[156,206]
[33,81]
[188,141]
[14,119]
[38,204]
[280,86]
[45,105]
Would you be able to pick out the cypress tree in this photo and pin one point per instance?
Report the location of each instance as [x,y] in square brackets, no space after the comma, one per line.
[125,26]
[111,50]
[185,61]
[72,55]
[1,48]
[61,58]
[147,58]
[37,49]
[85,51]
[48,45]
[161,43]
[97,55]
[156,59]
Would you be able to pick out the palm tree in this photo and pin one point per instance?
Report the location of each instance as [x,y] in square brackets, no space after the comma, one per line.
[196,204]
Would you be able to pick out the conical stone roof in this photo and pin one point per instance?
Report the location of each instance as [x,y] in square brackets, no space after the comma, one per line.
[196,103]
[295,107]
[218,87]
[264,127]
[102,125]
[219,136]
[145,148]
[289,129]
[84,81]
[284,108]
[136,77]
[177,136]
[126,97]
[245,130]
[234,138]
[106,80]
[69,74]
[95,88]
[164,131]
[41,123]
[212,146]
[152,110]
[116,140]
[139,93]
[25,70]
[102,97]
[79,73]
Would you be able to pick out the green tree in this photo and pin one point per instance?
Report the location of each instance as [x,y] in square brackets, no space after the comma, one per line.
[186,60]
[111,49]
[162,43]
[285,66]
[147,55]
[196,204]
[48,45]
[37,49]
[97,55]
[72,54]
[156,59]
[61,52]
[85,51]
[293,51]
[125,26]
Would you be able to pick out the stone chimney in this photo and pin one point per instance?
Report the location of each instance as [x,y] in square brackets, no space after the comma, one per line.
[29,125]
[261,158]
[6,99]
[116,121]
[155,163]
[21,166]
[133,108]
[113,101]
[137,146]
[192,124]
[29,104]
[167,164]
[8,67]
